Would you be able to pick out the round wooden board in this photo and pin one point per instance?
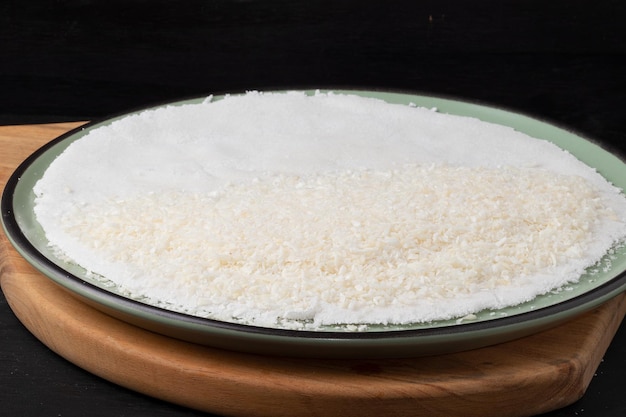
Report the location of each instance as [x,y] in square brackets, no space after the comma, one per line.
[536,374]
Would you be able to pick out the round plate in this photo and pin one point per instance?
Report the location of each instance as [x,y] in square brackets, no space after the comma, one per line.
[489,327]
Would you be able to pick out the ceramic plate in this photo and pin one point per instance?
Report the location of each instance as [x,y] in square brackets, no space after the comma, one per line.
[488,328]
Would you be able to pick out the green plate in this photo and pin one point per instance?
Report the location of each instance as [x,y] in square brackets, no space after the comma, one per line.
[489,327]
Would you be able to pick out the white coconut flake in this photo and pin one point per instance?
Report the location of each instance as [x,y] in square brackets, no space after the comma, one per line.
[292,210]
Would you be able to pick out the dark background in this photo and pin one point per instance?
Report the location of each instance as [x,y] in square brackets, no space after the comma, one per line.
[560,61]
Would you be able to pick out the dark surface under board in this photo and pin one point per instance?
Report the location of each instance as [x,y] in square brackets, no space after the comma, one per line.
[561,61]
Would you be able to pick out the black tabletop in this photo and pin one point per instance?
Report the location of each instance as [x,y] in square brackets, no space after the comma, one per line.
[563,61]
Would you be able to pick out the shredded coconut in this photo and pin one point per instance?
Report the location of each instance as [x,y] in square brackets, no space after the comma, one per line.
[289,210]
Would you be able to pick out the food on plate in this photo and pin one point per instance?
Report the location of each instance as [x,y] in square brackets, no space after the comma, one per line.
[304,211]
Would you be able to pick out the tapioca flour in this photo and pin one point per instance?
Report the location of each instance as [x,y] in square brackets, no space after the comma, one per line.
[283,209]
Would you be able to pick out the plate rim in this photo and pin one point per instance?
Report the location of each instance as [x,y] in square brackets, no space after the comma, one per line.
[94,294]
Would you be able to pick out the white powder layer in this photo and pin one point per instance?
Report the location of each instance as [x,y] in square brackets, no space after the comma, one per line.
[274,209]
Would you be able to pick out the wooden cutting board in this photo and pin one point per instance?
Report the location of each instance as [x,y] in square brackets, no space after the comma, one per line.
[536,374]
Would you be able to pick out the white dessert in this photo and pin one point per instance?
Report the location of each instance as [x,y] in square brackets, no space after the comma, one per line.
[304,211]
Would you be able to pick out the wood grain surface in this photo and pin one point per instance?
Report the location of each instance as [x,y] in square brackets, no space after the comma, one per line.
[536,374]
